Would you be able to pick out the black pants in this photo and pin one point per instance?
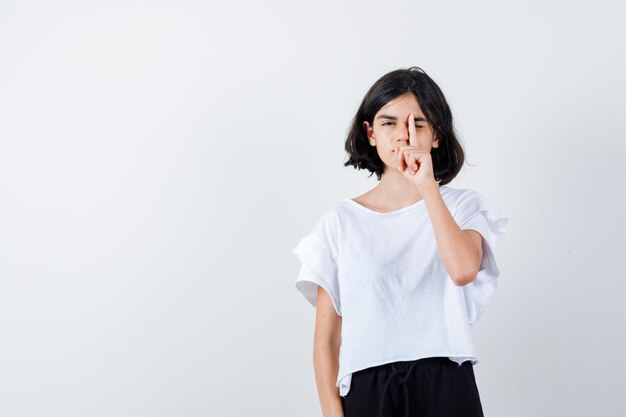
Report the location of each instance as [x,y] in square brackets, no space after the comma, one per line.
[428,387]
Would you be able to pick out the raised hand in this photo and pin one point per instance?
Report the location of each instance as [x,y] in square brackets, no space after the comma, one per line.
[414,160]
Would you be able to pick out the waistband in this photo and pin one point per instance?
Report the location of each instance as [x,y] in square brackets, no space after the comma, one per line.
[423,363]
[401,371]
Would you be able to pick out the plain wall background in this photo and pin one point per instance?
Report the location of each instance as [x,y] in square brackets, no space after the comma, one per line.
[160,159]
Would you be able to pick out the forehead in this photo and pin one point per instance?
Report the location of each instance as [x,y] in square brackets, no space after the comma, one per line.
[402,105]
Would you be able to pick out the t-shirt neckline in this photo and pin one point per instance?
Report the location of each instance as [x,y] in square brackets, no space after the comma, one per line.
[418,203]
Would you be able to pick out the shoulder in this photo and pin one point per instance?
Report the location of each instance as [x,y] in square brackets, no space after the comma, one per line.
[469,206]
[459,196]
[467,202]
[337,213]
[332,214]
[328,224]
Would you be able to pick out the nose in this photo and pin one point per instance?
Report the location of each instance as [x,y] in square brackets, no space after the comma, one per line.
[403,134]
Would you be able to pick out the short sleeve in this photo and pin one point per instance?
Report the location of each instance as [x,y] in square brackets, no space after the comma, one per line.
[318,265]
[476,212]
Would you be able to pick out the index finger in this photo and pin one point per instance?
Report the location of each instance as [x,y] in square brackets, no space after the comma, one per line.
[412,131]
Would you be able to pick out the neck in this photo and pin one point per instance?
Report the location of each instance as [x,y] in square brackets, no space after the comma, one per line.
[395,190]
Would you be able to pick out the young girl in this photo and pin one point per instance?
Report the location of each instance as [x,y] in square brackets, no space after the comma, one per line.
[398,274]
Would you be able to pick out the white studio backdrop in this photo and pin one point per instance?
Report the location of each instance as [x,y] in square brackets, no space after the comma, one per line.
[160,159]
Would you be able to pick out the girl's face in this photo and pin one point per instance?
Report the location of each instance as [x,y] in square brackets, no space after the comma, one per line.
[390,128]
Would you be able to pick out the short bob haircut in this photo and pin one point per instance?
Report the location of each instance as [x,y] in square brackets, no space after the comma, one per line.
[448,157]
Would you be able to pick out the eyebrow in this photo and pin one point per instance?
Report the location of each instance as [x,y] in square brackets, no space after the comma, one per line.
[386,116]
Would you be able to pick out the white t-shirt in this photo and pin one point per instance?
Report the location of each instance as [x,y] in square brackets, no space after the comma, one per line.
[385,278]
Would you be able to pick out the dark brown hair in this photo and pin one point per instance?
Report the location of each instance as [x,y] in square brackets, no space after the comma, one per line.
[448,157]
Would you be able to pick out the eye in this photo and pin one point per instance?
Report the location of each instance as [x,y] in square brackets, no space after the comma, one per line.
[390,123]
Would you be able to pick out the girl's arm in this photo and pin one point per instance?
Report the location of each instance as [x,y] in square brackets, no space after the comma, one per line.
[460,250]
[327,340]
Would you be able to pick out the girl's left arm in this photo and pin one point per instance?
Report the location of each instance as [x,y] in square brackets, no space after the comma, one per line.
[460,250]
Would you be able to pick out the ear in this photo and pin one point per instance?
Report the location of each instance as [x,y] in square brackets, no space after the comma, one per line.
[435,141]
[369,133]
